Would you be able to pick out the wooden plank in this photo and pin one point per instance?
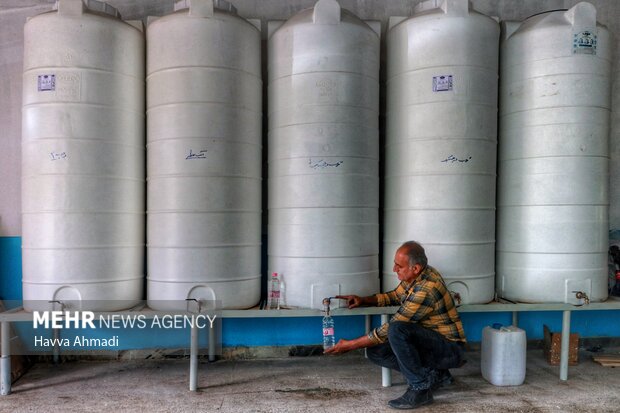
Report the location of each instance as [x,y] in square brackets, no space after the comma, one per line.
[609,358]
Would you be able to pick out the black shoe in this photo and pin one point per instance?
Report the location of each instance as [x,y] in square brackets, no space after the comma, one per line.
[444,379]
[412,399]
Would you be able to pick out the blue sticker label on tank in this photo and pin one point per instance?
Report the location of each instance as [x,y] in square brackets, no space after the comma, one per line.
[442,83]
[46,83]
[584,42]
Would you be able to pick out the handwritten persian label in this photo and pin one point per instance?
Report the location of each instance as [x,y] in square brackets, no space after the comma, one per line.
[56,156]
[442,83]
[453,159]
[584,42]
[46,83]
[196,155]
[322,164]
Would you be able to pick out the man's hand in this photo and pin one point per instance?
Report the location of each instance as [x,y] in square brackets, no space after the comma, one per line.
[343,346]
[352,301]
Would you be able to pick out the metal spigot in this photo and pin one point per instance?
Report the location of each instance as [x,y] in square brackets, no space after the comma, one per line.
[580,295]
[326,304]
[199,302]
[62,305]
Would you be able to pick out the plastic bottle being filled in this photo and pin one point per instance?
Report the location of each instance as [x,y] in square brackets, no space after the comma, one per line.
[329,339]
[273,293]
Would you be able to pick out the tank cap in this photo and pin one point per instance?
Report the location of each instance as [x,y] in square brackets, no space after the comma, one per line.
[204,8]
[76,7]
[582,15]
[326,12]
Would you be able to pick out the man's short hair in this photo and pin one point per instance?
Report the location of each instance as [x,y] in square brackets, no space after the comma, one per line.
[415,253]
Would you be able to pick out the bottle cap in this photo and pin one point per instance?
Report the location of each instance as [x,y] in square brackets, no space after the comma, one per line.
[275,274]
[618,275]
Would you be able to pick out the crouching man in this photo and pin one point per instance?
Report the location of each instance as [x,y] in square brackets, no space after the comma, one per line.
[423,339]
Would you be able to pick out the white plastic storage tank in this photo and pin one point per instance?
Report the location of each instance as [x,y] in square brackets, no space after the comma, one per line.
[203,157]
[83,158]
[441,143]
[323,155]
[553,158]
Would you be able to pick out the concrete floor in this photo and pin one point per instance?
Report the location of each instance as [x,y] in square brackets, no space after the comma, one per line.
[300,384]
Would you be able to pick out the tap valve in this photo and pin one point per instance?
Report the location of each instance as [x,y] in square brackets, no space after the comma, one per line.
[580,295]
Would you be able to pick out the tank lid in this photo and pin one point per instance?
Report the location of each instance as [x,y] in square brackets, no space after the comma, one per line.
[204,8]
[76,7]
[326,12]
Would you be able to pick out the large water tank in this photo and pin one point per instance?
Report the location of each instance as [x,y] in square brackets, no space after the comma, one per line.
[203,157]
[553,157]
[83,158]
[441,144]
[324,155]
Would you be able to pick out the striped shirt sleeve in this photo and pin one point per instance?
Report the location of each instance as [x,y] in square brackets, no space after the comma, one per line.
[393,297]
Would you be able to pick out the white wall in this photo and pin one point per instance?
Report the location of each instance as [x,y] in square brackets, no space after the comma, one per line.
[13,14]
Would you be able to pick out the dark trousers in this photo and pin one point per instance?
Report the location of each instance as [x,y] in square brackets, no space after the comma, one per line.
[421,355]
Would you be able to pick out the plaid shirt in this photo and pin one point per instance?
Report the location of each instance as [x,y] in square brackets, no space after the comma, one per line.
[427,301]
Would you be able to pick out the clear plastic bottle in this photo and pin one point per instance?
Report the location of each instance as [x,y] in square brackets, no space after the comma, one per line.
[273,296]
[329,339]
